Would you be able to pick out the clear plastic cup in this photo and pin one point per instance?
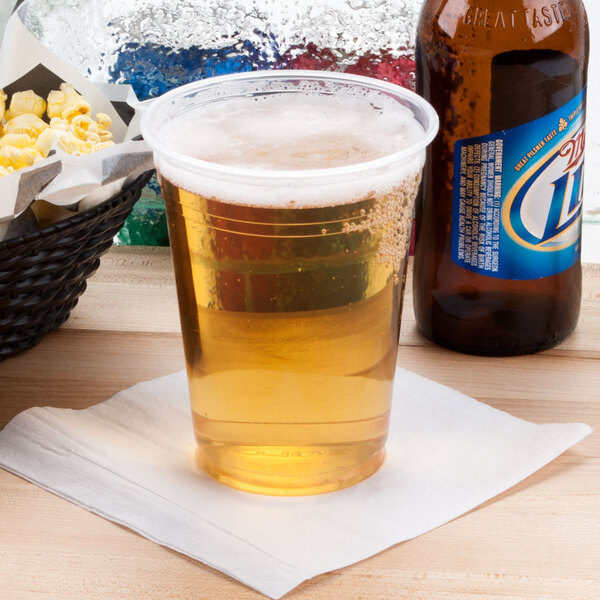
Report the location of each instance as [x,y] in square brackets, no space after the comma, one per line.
[290,279]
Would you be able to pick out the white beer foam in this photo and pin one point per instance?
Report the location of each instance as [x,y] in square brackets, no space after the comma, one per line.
[292,132]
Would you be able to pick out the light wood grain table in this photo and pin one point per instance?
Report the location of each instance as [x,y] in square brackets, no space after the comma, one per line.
[539,540]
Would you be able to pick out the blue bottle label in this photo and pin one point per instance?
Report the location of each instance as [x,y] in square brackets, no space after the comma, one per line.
[517,199]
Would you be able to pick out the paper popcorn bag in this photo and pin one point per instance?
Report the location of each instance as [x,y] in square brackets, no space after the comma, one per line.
[74,152]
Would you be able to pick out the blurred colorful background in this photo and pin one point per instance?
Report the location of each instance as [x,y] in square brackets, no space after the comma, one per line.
[155,45]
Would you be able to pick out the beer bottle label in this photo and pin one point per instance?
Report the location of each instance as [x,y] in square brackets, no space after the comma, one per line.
[517,199]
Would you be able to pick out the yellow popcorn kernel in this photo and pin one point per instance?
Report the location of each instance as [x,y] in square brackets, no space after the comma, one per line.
[4,171]
[102,145]
[56,102]
[85,122]
[17,140]
[26,139]
[17,157]
[103,121]
[27,123]
[25,102]
[5,160]
[106,136]
[78,132]
[76,108]
[59,124]
[45,140]
[3,98]
[93,137]
[69,143]
[69,91]
[83,134]
[75,104]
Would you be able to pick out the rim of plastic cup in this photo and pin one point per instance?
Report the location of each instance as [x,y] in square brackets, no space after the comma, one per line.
[249,176]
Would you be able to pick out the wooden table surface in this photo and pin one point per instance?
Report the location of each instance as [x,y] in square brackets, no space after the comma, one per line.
[538,540]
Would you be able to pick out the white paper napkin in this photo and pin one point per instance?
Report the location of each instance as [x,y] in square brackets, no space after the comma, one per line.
[130,459]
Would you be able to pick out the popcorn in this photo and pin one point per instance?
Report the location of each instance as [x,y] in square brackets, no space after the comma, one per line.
[90,136]
[73,145]
[17,157]
[86,123]
[74,103]
[67,103]
[27,123]
[72,110]
[25,138]
[103,121]
[58,123]
[17,140]
[106,136]
[3,98]
[56,100]
[25,102]
[45,141]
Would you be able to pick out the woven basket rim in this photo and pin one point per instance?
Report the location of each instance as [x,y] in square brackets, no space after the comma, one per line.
[77,218]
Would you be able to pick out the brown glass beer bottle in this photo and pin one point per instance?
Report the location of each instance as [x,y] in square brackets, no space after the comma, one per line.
[498,257]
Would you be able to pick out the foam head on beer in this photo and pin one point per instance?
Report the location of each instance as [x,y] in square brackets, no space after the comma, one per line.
[293,132]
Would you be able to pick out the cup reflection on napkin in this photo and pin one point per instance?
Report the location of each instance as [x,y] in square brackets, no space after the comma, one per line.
[131,460]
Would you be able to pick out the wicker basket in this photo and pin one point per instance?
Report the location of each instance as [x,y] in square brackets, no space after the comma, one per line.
[43,274]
